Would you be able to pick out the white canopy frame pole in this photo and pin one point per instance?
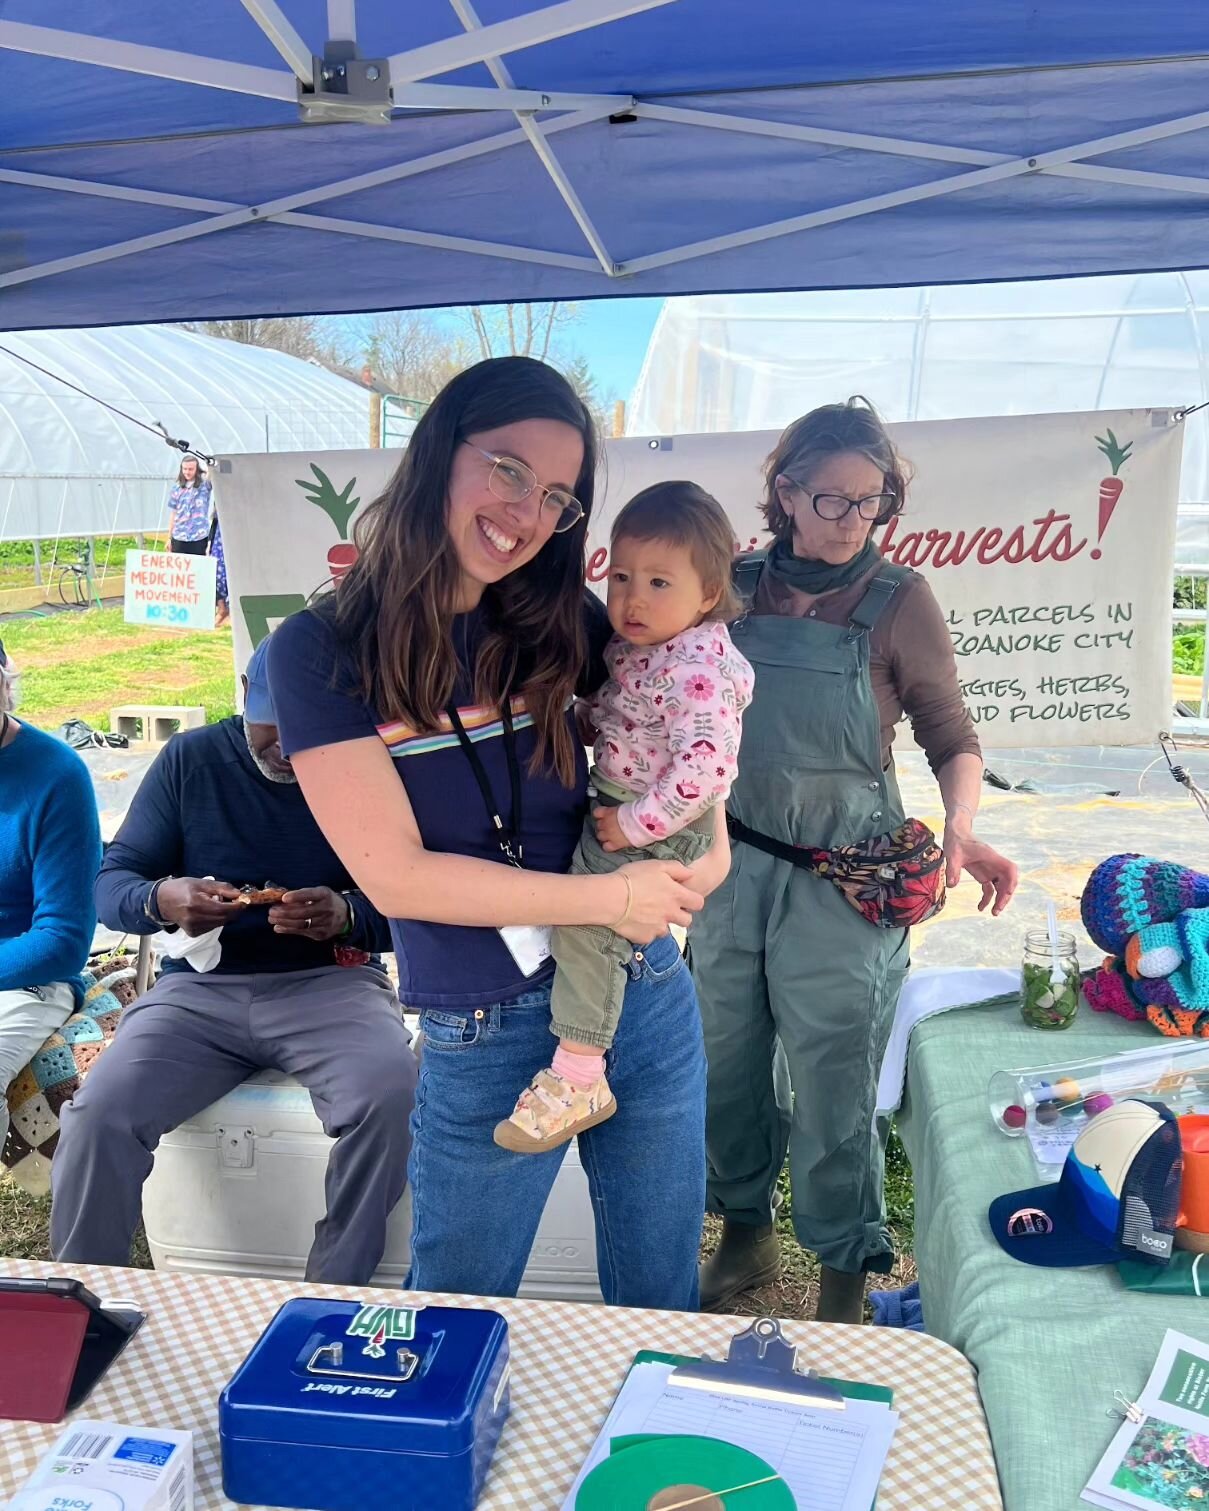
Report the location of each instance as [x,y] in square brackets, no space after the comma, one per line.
[275,84]
[277,209]
[158,62]
[311,222]
[1012,168]
[895,146]
[513,35]
[280,31]
[342,20]
[468,16]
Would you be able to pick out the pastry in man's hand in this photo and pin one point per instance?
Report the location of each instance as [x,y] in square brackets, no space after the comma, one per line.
[265,896]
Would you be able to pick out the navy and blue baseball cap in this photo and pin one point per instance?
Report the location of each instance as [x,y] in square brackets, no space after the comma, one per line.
[1118,1196]
[258,701]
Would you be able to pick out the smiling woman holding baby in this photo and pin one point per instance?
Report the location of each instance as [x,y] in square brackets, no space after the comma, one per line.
[426,710]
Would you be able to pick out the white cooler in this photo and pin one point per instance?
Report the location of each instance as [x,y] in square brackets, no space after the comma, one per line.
[239,1188]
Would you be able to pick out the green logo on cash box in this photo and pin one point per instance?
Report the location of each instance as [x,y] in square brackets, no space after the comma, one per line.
[381,1325]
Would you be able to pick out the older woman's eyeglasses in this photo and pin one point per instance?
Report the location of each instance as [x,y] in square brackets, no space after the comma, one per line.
[874,508]
[512,482]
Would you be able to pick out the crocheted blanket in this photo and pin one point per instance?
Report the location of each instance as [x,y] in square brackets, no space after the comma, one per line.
[55,1073]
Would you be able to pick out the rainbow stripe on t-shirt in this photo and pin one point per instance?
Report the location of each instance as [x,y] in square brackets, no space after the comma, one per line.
[479,723]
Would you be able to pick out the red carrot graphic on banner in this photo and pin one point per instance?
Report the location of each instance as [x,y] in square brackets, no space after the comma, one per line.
[1112,487]
[339,508]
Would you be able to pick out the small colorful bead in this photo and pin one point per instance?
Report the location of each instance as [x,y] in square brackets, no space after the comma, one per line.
[1014,1117]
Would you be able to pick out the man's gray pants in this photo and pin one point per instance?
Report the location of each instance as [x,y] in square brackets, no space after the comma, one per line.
[192,1039]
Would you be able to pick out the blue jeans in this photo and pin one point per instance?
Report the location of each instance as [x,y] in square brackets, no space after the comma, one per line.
[476,1207]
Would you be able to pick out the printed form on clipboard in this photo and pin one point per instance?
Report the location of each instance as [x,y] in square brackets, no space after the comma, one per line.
[827,1439]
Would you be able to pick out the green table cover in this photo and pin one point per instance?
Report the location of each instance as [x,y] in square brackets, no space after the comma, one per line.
[1050,1346]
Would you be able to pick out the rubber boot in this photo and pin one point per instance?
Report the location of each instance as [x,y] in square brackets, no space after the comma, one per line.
[841,1297]
[746,1257]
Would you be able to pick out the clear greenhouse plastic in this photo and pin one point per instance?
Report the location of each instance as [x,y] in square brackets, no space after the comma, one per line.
[70,467]
[755,362]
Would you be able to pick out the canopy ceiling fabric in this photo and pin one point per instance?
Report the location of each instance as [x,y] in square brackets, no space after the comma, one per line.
[661,147]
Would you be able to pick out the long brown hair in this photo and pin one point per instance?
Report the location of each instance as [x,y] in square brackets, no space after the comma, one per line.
[199,475]
[827,431]
[394,608]
[684,514]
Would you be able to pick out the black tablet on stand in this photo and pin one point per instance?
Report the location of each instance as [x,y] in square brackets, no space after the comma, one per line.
[56,1342]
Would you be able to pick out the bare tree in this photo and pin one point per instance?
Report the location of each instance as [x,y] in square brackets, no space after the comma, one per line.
[310,337]
[520,330]
[410,352]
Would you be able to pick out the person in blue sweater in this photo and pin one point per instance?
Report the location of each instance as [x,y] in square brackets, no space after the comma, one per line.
[297,987]
[50,846]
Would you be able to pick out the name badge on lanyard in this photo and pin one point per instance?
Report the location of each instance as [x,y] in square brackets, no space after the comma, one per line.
[528,944]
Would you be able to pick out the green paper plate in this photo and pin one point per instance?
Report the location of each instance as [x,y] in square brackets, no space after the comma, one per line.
[630,1479]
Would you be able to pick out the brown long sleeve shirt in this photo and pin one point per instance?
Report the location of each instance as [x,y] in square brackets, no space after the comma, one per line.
[912,667]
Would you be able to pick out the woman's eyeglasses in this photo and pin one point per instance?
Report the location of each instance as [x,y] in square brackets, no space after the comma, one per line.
[875,508]
[512,482]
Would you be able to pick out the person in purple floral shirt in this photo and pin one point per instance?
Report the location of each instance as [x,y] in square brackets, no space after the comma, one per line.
[191,502]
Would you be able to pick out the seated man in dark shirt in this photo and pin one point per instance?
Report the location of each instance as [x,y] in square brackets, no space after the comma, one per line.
[295,988]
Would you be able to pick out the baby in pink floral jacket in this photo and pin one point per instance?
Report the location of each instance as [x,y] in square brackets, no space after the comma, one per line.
[668,723]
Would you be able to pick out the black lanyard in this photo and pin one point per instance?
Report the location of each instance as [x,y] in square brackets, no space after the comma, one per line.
[508,837]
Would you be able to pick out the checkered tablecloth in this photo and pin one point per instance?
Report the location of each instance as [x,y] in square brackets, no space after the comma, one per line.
[567,1364]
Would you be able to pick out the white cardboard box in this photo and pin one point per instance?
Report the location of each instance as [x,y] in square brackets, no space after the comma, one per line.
[105,1466]
[238,1190]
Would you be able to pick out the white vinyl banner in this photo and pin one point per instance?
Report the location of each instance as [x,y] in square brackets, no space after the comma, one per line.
[1048,540]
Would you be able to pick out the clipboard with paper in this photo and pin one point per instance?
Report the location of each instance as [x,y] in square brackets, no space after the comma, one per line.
[826,1438]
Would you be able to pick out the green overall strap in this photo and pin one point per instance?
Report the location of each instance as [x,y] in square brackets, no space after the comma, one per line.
[745,575]
[877,598]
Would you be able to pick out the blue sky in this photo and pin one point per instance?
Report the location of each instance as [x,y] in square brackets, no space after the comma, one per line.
[613,335]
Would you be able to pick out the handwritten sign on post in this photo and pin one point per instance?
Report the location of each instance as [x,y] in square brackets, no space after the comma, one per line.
[1047,540]
[170,592]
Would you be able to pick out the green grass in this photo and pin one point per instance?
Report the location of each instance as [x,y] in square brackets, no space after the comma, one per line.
[17,557]
[795,1294]
[25,1222]
[83,664]
[1188,650]
[25,1227]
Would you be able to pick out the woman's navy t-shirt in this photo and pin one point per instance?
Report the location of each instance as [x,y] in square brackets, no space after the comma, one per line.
[317,702]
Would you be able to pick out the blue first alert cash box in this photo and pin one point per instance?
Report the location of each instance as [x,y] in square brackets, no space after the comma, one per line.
[343,1407]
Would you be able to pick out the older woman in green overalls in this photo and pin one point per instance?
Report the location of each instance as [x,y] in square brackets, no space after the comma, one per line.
[797,989]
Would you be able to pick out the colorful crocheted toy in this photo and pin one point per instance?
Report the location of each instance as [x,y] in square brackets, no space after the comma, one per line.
[1152,917]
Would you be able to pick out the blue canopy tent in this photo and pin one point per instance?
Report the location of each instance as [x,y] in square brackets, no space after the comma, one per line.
[163,162]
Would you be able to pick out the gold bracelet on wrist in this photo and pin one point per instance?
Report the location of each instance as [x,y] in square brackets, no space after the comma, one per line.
[629,901]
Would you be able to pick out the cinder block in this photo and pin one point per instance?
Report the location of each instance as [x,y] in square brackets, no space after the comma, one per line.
[155,724]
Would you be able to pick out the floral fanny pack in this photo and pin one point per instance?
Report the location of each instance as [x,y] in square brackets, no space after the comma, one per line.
[894,881]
